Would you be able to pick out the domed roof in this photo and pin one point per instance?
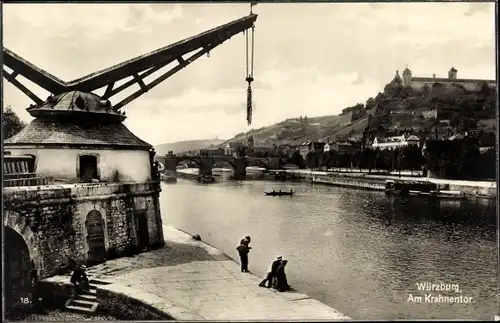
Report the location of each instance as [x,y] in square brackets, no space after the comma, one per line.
[453,69]
[406,71]
[77,104]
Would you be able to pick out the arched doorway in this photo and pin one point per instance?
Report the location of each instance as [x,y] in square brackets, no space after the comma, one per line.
[18,290]
[95,237]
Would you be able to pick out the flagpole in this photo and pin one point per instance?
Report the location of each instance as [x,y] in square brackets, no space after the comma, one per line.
[252,3]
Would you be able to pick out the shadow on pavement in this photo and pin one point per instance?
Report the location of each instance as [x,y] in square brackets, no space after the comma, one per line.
[171,254]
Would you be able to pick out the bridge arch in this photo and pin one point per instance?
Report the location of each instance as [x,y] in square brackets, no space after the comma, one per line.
[191,159]
[18,223]
[228,161]
[22,258]
[197,160]
[258,162]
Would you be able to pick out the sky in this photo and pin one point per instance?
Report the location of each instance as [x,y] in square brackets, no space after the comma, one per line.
[310,59]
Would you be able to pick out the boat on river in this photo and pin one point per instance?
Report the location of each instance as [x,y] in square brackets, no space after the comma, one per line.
[407,188]
[449,195]
[279,193]
[421,189]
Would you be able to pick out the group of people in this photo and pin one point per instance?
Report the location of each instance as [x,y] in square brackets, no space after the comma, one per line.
[276,278]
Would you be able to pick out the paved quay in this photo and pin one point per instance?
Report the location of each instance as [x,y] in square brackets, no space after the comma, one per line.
[191,280]
[394,175]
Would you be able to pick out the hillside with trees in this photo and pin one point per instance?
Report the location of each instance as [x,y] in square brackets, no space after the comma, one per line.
[188,145]
[434,111]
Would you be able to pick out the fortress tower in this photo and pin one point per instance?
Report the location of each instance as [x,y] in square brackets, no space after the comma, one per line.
[406,77]
[452,73]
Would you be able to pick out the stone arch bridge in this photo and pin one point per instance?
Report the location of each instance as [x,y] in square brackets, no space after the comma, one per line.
[206,163]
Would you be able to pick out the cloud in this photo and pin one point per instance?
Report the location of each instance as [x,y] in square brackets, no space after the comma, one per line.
[474,8]
[359,80]
[310,59]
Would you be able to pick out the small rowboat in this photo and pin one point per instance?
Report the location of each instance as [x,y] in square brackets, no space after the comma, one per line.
[279,193]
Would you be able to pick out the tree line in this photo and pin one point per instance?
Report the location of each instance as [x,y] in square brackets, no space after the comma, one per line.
[404,158]
[459,159]
[455,159]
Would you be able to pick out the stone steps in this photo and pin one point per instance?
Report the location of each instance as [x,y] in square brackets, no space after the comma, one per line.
[88,297]
[86,301]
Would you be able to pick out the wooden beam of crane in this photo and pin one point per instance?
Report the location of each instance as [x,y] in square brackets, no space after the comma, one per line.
[142,75]
[141,66]
[141,63]
[12,79]
[33,73]
[108,90]
[139,81]
[160,79]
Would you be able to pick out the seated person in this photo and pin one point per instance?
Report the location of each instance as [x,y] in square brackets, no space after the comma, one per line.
[79,279]
[272,274]
[281,281]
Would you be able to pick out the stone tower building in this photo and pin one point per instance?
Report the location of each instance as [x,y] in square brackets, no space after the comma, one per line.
[452,74]
[406,77]
[418,82]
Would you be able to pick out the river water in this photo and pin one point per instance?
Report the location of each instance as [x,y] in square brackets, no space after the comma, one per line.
[359,252]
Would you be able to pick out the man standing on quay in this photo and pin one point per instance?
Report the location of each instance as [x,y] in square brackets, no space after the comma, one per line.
[243,250]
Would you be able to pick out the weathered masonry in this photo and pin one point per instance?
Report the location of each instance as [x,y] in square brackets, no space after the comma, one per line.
[86,223]
[102,200]
[80,186]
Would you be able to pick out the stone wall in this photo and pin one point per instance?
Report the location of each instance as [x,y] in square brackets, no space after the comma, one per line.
[52,220]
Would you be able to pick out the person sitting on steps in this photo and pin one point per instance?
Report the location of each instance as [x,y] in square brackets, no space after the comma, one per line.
[270,275]
[79,279]
[281,281]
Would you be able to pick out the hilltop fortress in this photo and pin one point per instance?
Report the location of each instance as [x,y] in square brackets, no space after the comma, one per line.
[419,82]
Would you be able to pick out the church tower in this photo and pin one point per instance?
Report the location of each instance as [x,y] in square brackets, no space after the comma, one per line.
[406,77]
[452,73]
[397,78]
[250,142]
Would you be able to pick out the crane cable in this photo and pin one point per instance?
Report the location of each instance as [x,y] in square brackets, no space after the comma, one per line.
[250,44]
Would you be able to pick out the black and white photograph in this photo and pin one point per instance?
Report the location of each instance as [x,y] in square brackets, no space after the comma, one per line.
[256,161]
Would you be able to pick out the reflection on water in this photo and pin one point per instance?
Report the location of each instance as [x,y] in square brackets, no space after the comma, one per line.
[357,251]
